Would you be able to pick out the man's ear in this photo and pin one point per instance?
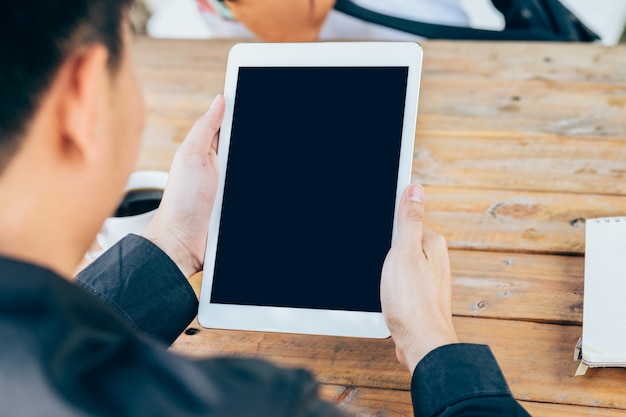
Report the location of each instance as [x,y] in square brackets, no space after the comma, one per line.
[82,86]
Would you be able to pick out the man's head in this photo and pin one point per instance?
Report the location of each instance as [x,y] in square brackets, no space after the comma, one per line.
[70,121]
[35,39]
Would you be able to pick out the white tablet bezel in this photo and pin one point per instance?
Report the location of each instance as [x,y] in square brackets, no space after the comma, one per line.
[320,54]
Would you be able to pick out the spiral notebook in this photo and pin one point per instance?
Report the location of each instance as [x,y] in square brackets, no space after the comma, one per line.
[603,341]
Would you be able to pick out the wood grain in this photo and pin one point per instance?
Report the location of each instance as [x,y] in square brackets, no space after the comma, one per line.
[565,63]
[560,410]
[535,358]
[562,89]
[517,161]
[371,402]
[539,288]
[521,106]
[500,220]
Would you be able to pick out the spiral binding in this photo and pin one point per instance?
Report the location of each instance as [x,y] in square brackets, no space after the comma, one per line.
[615,219]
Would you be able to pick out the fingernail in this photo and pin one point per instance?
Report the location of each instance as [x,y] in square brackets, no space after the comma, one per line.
[214,102]
[415,193]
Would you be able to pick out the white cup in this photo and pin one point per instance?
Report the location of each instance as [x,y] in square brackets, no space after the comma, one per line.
[116,228]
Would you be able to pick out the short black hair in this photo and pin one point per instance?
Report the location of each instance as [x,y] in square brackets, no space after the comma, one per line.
[36,37]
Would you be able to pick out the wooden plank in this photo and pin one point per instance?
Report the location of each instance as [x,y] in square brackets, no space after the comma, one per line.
[335,360]
[536,359]
[520,108]
[539,288]
[522,61]
[371,402]
[522,162]
[560,410]
[516,221]
[523,88]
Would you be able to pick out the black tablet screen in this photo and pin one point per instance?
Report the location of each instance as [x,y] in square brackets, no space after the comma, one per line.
[310,187]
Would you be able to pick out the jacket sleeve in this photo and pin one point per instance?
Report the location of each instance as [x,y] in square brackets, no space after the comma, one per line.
[462,380]
[267,389]
[144,286]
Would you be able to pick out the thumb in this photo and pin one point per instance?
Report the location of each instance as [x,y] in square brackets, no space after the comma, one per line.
[411,217]
[203,134]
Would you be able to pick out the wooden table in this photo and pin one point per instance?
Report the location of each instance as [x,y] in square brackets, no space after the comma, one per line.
[516,144]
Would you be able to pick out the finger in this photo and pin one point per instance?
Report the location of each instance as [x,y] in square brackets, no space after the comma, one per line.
[204,133]
[217,101]
[215,142]
[434,245]
[411,218]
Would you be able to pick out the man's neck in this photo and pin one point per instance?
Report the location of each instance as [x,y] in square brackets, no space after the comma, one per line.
[41,221]
[33,235]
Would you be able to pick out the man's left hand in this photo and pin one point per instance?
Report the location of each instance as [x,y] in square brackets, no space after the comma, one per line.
[180,225]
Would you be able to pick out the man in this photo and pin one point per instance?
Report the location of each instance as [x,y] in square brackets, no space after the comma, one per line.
[70,123]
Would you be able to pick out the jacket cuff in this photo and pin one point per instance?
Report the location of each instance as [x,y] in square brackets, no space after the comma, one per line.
[453,373]
[139,281]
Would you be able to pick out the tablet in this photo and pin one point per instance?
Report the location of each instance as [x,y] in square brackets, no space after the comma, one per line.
[315,151]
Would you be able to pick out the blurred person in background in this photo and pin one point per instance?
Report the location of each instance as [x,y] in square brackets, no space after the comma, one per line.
[309,20]
[397,20]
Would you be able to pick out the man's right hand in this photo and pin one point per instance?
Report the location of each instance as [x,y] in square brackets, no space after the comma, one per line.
[416,285]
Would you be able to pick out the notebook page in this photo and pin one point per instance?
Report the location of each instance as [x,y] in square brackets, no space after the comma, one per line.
[604,313]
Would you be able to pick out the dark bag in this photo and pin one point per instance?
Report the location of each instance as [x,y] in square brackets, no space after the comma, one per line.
[525,20]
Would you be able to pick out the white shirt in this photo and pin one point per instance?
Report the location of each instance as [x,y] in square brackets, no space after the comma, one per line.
[341,26]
